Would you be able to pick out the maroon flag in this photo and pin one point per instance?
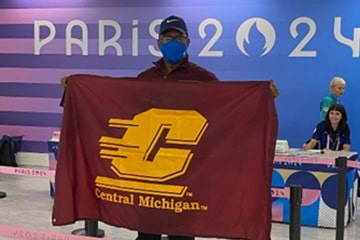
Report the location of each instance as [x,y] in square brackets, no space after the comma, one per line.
[179,158]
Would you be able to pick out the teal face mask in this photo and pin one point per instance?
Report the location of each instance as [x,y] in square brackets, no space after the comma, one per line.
[173,51]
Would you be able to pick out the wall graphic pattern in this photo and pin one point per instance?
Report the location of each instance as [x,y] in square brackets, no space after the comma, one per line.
[299,45]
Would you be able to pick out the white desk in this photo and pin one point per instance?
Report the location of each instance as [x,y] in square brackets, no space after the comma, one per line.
[319,183]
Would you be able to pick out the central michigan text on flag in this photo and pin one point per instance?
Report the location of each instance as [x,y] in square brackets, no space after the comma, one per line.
[180,158]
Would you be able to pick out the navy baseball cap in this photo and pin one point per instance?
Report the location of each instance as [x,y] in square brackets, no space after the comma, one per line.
[173,22]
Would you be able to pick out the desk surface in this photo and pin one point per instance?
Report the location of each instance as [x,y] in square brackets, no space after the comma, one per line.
[297,152]
[312,160]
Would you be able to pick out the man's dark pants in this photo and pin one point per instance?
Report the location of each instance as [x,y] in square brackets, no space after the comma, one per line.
[147,236]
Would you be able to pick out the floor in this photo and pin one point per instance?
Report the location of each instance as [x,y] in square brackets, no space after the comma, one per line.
[28,204]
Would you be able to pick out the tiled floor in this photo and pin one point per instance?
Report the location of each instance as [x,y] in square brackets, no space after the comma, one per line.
[28,204]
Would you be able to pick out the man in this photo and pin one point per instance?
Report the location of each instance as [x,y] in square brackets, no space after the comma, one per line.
[173,42]
[337,88]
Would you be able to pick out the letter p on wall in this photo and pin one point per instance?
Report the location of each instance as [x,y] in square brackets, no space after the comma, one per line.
[38,43]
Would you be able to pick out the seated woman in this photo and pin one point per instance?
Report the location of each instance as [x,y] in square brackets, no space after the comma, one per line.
[333,133]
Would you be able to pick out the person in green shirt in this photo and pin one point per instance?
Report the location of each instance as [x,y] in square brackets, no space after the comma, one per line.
[337,88]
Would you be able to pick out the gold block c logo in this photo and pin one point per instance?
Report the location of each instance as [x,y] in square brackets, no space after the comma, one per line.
[156,147]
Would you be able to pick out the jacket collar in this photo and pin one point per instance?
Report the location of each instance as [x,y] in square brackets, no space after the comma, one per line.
[161,63]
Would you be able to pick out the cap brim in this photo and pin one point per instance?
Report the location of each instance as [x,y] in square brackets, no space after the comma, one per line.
[176,28]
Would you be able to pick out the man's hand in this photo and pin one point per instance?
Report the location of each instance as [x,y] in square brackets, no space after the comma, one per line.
[274,89]
[63,81]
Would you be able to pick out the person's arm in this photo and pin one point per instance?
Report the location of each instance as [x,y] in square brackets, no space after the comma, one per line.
[315,138]
[310,145]
[346,146]
[325,105]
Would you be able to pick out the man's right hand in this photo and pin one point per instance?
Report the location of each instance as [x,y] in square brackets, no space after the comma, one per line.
[63,81]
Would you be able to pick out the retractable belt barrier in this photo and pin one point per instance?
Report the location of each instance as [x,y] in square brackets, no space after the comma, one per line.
[33,234]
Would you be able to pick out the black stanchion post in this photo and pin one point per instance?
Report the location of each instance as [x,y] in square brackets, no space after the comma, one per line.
[2,194]
[295,212]
[91,229]
[341,164]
